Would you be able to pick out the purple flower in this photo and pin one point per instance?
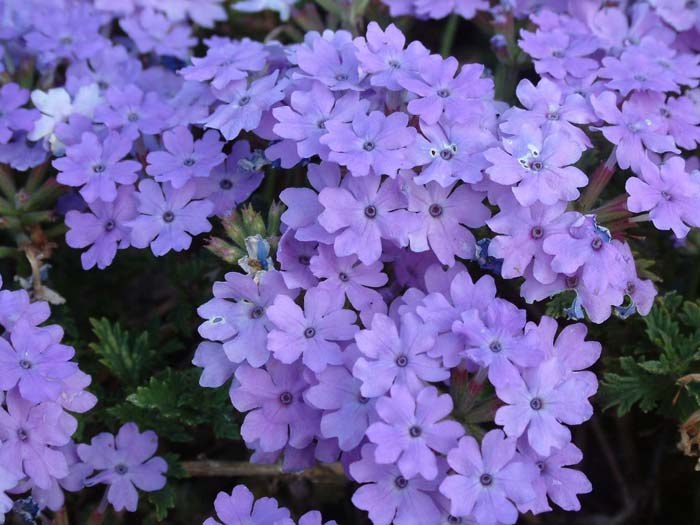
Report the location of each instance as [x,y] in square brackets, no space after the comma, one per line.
[539,404]
[412,430]
[240,508]
[381,54]
[444,214]
[104,228]
[495,339]
[547,107]
[217,367]
[13,117]
[373,142]
[125,463]
[488,484]
[185,158]
[312,333]
[29,433]
[294,258]
[439,91]
[168,217]
[669,193]
[441,8]
[247,316]
[682,119]
[585,245]
[8,481]
[229,184]
[16,306]
[561,484]
[244,105]
[347,413]
[331,62]
[131,112]
[303,206]
[362,213]
[448,153]
[636,70]
[634,129]
[539,165]
[559,52]
[347,276]
[523,231]
[304,120]
[389,497]
[151,31]
[97,166]
[35,363]
[273,398]
[394,355]
[227,62]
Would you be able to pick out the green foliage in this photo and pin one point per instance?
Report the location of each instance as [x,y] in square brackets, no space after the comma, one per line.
[654,377]
[173,404]
[164,500]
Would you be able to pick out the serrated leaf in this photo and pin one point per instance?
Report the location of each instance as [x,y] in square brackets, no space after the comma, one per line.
[632,386]
[162,501]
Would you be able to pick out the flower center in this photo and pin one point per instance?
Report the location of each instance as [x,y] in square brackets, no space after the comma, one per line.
[495,346]
[286,398]
[309,332]
[536,165]
[168,216]
[304,260]
[189,162]
[321,124]
[368,145]
[370,212]
[401,482]
[225,184]
[256,313]
[66,40]
[572,281]
[435,210]
[121,469]
[540,465]
[415,431]
[394,64]
[26,365]
[362,399]
[597,243]
[443,93]
[536,403]
[446,154]
[22,434]
[110,225]
[453,519]
[343,277]
[401,361]
[132,116]
[244,100]
[536,232]
[341,77]
[98,168]
[486,479]
[552,115]
[630,288]
[666,195]
[557,53]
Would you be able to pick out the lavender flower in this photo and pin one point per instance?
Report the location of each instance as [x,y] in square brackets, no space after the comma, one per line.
[13,116]
[240,508]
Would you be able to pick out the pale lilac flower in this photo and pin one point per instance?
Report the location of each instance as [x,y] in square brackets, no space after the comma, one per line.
[412,429]
[283,7]
[635,70]
[273,398]
[444,216]
[8,481]
[312,333]
[488,483]
[217,368]
[541,402]
[56,105]
[103,228]
[35,363]
[396,355]
[185,158]
[29,433]
[241,508]
[13,116]
[682,119]
[168,217]
[125,463]
[361,213]
[439,91]
[97,166]
[538,166]
[560,53]
[371,143]
[347,413]
[347,276]
[332,62]
[151,31]
[389,497]
[244,105]
[381,54]
[669,193]
[16,306]
[227,62]
[133,112]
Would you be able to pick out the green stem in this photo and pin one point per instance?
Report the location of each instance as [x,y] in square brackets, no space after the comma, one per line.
[448,37]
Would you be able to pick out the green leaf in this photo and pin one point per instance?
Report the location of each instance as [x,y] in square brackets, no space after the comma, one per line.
[162,501]
[128,358]
[634,385]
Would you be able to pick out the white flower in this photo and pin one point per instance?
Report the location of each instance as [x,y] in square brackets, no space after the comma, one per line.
[283,7]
